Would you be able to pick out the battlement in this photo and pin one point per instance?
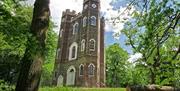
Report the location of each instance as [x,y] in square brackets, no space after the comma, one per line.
[69,12]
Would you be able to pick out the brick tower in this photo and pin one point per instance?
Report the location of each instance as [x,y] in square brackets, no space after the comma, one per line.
[80,53]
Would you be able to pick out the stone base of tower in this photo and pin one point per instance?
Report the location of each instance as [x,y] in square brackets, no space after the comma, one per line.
[69,75]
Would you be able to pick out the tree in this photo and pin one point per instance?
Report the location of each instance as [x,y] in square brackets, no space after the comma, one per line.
[29,77]
[138,75]
[153,25]
[116,63]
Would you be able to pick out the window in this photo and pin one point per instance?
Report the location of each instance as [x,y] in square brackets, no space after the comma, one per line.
[84,21]
[72,70]
[75,28]
[94,5]
[58,53]
[91,69]
[73,51]
[81,70]
[85,6]
[92,45]
[93,20]
[83,45]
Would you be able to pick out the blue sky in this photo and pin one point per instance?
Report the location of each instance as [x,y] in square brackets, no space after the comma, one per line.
[109,40]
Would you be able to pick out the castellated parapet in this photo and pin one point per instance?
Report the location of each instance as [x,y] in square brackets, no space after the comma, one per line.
[68,12]
[72,13]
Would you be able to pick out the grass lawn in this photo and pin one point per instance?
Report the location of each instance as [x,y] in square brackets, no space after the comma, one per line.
[80,89]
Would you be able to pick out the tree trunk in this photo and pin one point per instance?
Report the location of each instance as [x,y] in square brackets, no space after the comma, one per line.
[31,64]
[152,76]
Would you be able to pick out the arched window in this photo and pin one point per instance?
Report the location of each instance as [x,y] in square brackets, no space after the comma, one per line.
[92,45]
[93,20]
[83,45]
[61,33]
[73,51]
[91,69]
[84,21]
[81,70]
[75,28]
[58,53]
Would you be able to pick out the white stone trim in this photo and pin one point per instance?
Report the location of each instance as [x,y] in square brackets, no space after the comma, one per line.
[93,22]
[74,44]
[94,5]
[84,21]
[74,27]
[71,67]
[83,45]
[91,64]
[94,46]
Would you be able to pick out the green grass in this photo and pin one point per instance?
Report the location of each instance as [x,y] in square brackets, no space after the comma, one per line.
[80,89]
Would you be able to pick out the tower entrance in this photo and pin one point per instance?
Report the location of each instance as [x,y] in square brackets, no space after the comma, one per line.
[70,76]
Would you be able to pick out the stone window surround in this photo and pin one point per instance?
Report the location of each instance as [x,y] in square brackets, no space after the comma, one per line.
[84,21]
[80,70]
[91,64]
[74,44]
[93,20]
[83,45]
[92,40]
[74,27]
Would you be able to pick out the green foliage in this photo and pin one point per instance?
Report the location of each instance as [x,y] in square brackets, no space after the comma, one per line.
[154,32]
[14,27]
[116,63]
[51,45]
[4,86]
[4,45]
[137,75]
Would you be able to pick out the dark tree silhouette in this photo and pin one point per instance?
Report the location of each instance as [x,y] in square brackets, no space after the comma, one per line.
[31,64]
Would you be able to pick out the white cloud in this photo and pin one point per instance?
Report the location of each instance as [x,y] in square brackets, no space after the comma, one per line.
[135,57]
[58,6]
[116,25]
